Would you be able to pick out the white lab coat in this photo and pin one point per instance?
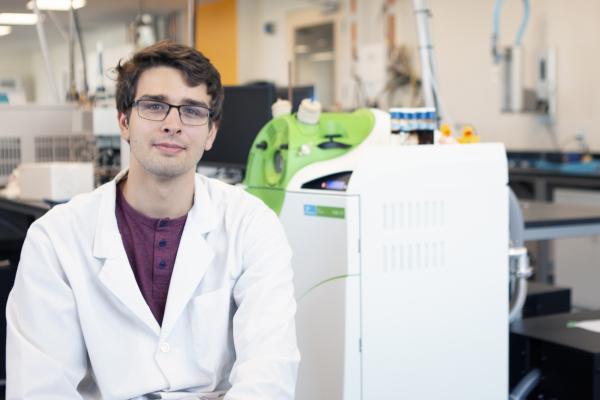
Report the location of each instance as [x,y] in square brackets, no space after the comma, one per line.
[78,326]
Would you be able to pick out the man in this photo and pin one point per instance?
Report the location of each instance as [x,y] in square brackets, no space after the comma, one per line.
[161,283]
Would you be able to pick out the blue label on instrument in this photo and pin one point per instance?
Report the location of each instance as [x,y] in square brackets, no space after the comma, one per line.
[310,209]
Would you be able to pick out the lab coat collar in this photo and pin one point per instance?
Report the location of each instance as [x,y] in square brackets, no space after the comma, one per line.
[193,256]
[203,213]
[106,226]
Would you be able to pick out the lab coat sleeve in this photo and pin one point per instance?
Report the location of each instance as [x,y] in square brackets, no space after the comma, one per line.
[45,352]
[264,331]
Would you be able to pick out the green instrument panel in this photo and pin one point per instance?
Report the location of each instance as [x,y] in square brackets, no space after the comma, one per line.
[285,145]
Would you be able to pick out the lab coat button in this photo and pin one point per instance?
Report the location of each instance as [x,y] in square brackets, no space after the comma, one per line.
[164,347]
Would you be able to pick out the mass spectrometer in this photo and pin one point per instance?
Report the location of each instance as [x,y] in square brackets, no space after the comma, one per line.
[400,258]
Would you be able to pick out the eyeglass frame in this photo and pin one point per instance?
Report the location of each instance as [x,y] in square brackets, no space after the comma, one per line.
[136,105]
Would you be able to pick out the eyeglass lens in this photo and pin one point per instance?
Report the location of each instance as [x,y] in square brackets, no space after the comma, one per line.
[157,111]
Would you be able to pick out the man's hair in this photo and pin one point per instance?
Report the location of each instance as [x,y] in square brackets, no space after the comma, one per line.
[195,67]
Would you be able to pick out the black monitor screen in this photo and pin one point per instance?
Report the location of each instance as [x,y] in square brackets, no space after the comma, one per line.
[246,109]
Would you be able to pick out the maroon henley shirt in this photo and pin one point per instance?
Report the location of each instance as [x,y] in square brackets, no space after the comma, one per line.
[151,245]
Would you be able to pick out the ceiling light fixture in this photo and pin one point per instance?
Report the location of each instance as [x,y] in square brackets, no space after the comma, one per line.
[56,5]
[5,30]
[18,19]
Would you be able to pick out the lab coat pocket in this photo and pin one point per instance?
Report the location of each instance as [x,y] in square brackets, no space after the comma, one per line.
[211,329]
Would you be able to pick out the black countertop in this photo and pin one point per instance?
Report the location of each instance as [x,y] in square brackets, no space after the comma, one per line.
[558,329]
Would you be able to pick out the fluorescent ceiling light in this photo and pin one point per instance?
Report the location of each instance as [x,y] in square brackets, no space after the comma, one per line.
[5,30]
[57,5]
[18,19]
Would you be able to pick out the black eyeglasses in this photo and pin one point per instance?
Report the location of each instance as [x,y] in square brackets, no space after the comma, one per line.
[155,110]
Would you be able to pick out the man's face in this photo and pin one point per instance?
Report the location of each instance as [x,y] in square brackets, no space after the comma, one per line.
[168,148]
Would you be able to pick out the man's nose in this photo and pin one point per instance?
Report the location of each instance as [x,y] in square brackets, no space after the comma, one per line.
[172,123]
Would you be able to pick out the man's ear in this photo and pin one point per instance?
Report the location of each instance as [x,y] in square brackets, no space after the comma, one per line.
[212,134]
[124,126]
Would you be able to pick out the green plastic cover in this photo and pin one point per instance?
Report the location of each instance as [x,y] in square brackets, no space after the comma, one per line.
[285,145]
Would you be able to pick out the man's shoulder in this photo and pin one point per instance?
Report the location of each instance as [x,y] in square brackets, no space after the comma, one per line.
[82,207]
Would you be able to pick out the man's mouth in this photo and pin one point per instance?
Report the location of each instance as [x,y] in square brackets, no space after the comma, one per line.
[170,148]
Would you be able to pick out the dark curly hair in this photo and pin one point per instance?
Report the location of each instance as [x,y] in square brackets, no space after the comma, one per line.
[195,67]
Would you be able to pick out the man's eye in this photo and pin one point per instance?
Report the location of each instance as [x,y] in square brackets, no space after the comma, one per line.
[196,112]
[150,106]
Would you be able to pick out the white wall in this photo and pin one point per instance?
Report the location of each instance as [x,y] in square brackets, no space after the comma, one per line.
[469,82]
[17,64]
[264,56]
[573,28]
[471,86]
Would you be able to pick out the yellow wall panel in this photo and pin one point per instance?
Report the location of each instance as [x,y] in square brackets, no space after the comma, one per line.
[216,36]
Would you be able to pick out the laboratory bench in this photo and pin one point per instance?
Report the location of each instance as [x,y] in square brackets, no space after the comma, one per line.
[548,221]
[571,183]
[567,356]
[545,222]
[536,175]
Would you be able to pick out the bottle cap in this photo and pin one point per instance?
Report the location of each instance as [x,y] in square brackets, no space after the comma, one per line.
[281,107]
[309,111]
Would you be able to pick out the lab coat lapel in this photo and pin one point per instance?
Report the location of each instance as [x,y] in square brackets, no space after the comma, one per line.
[116,274]
[194,255]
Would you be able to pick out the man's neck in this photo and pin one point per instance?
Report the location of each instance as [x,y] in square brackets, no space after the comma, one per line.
[159,198]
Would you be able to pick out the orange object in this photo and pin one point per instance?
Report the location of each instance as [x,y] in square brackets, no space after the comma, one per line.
[446,135]
[216,36]
[468,135]
[445,130]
